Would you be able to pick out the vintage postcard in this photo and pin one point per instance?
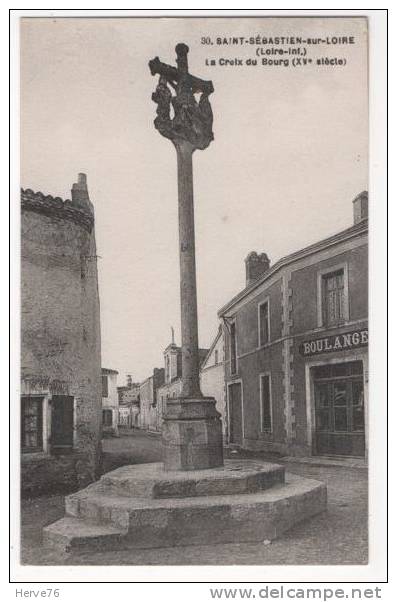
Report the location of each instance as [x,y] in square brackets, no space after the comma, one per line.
[195,357]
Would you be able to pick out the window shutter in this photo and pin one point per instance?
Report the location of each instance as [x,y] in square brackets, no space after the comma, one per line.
[266,404]
[62,421]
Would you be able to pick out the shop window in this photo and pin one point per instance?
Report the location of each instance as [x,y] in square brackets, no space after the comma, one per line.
[335,370]
[340,406]
[358,406]
[340,369]
[105,386]
[263,323]
[333,298]
[324,371]
[107,418]
[233,348]
[356,367]
[322,407]
[32,424]
[266,403]
[339,397]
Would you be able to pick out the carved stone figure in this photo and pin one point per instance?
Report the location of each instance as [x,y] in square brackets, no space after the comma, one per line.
[162,96]
[192,120]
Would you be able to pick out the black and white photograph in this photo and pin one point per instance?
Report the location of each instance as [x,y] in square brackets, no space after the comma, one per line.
[195,212]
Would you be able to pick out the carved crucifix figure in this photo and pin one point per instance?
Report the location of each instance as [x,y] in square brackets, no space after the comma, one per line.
[192,120]
[187,122]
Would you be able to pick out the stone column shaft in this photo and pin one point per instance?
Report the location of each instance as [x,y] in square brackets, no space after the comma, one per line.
[189,329]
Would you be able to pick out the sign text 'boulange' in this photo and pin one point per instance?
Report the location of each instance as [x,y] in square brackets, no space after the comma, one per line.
[338,342]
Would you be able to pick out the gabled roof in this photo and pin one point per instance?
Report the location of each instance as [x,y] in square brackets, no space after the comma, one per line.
[356,230]
[108,371]
[214,342]
[172,346]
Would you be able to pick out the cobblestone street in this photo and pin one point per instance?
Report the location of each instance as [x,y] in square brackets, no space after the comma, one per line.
[338,536]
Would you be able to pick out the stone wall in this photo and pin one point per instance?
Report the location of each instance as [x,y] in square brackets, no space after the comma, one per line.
[110,402]
[304,326]
[148,414]
[212,378]
[60,332]
[293,290]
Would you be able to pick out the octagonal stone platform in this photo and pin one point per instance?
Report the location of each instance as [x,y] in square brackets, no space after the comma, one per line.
[151,481]
[144,507]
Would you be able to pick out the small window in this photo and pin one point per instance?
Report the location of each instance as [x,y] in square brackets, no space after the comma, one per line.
[233,348]
[216,356]
[107,417]
[263,325]
[266,403]
[105,387]
[333,298]
[32,424]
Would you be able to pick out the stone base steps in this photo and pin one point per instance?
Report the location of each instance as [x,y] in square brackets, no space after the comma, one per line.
[71,533]
[102,520]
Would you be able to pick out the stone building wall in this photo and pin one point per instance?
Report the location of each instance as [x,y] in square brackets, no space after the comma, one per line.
[212,378]
[110,402]
[60,334]
[311,375]
[148,413]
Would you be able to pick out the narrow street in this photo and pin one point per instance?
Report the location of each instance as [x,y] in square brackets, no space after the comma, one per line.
[337,536]
[131,447]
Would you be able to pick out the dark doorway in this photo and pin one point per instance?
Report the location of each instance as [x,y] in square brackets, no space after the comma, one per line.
[235,414]
[107,418]
[339,409]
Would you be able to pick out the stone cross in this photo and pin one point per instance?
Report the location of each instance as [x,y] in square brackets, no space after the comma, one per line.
[192,434]
[190,128]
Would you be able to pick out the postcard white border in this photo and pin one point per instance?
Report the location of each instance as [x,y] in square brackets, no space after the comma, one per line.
[375,571]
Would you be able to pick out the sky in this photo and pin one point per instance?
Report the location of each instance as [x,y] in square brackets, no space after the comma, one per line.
[289,156]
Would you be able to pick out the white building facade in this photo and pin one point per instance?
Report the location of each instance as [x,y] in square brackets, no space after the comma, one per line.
[110,402]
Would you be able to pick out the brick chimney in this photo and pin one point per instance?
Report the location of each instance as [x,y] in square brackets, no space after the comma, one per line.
[255,266]
[80,191]
[360,207]
[129,381]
